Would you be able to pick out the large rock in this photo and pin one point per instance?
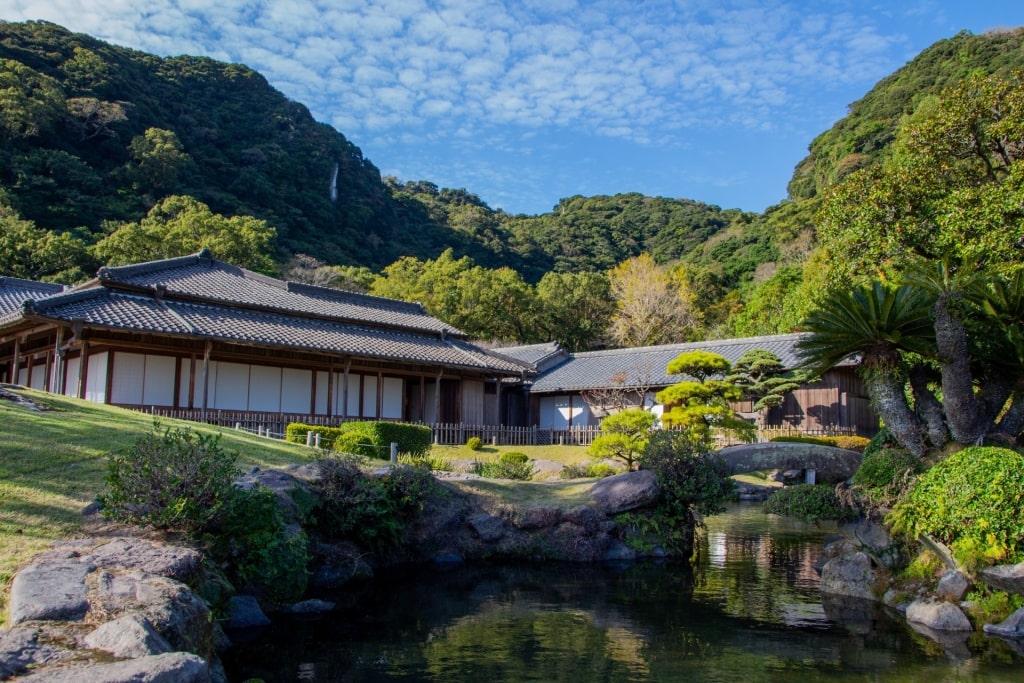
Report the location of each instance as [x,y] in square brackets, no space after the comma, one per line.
[135,553]
[293,494]
[1011,627]
[1004,577]
[20,647]
[487,527]
[852,575]
[938,615]
[128,637]
[627,491]
[953,586]
[244,611]
[173,667]
[50,590]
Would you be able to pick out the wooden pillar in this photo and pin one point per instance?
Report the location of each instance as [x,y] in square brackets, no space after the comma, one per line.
[108,381]
[380,394]
[423,398]
[192,382]
[344,389]
[83,370]
[56,372]
[437,398]
[312,393]
[206,377]
[14,361]
[176,399]
[497,404]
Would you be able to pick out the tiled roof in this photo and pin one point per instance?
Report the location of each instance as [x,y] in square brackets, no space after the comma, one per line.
[112,309]
[15,291]
[645,366]
[531,354]
[203,278]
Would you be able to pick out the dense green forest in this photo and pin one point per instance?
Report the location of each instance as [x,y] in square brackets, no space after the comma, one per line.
[110,155]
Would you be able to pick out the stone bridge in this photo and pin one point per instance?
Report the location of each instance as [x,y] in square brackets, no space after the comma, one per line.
[830,465]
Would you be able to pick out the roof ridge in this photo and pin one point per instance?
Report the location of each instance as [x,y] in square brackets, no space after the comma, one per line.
[109,273]
[302,287]
[55,287]
[731,341]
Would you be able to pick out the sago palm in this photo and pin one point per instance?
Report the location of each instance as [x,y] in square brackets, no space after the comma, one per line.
[874,325]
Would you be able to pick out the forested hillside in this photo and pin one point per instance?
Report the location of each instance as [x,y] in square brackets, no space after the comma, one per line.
[109,155]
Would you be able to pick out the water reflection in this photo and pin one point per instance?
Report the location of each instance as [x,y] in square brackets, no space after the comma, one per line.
[749,611]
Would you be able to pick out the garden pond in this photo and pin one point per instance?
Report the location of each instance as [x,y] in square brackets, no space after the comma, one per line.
[749,611]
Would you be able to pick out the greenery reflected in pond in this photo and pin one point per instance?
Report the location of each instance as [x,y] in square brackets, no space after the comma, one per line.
[750,611]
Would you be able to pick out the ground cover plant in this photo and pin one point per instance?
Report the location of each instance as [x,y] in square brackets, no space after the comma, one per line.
[53,461]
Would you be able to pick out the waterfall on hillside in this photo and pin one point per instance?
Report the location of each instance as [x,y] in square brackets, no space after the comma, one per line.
[333,187]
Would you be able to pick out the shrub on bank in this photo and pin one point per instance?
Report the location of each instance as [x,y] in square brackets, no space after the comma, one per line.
[972,502]
[808,501]
[510,465]
[588,470]
[882,469]
[172,479]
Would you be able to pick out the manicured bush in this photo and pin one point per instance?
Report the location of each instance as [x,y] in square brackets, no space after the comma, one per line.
[850,443]
[972,502]
[474,443]
[510,465]
[808,501]
[883,468]
[816,440]
[173,479]
[296,432]
[883,439]
[588,470]
[375,438]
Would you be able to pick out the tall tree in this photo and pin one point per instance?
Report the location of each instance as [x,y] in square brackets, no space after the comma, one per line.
[178,226]
[764,380]
[573,309]
[653,304]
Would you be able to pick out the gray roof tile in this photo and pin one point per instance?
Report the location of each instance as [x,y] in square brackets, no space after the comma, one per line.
[205,278]
[14,292]
[645,366]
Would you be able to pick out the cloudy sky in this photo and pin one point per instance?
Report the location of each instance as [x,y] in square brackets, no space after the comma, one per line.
[524,103]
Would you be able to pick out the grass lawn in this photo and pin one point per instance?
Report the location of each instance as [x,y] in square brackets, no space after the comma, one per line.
[566,455]
[52,464]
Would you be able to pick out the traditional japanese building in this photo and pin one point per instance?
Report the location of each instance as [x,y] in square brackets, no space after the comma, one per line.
[197,335]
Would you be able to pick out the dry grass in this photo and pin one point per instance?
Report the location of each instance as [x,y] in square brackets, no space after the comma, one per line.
[505,493]
[53,462]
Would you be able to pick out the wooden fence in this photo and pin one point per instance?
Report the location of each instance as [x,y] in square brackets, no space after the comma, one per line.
[447,434]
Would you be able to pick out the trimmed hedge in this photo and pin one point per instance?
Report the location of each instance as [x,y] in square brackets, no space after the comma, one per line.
[375,438]
[372,439]
[850,443]
[295,432]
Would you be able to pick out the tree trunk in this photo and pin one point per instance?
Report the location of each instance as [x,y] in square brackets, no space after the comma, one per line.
[1012,421]
[928,407]
[964,410]
[887,389]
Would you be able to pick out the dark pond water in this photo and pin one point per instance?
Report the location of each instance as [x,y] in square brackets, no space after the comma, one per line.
[749,612]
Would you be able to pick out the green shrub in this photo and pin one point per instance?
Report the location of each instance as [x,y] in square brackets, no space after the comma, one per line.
[371,511]
[296,432]
[253,544]
[375,438]
[816,440]
[850,443]
[882,468]
[474,443]
[925,567]
[992,606]
[883,439]
[971,501]
[510,465]
[588,470]
[173,479]
[688,473]
[808,501]
[434,463]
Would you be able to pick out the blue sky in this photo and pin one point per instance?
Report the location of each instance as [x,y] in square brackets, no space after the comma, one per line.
[524,103]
